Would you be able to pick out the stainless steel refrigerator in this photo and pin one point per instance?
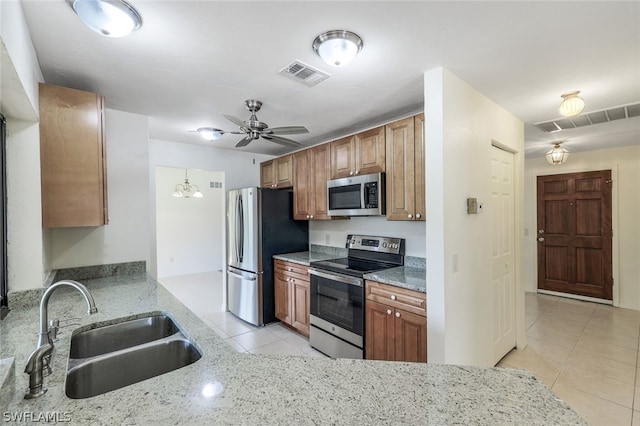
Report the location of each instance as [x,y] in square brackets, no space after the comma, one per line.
[259,224]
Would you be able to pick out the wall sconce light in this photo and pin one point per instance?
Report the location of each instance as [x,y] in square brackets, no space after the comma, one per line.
[187,190]
[557,155]
[337,47]
[571,105]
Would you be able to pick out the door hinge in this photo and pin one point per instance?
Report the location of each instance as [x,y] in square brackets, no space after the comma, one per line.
[610,181]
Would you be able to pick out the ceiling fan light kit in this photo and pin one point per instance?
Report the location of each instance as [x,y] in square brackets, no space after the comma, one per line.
[110,18]
[557,155]
[337,47]
[571,104]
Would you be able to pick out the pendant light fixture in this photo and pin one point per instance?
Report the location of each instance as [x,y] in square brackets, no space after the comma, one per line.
[187,190]
[572,104]
[337,47]
[110,18]
[557,155]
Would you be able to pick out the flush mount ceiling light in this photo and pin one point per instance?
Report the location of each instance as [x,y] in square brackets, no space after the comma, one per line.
[337,47]
[111,18]
[571,104]
[557,155]
[210,133]
[187,190]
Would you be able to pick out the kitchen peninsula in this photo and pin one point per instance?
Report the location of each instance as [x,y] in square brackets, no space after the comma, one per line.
[226,387]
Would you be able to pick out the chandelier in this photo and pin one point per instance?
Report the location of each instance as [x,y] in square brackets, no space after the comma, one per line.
[187,190]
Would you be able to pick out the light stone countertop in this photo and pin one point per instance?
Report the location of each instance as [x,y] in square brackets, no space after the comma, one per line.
[261,389]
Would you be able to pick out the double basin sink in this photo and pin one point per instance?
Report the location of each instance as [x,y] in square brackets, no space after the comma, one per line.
[113,356]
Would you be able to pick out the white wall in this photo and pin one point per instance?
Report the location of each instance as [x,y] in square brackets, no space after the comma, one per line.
[126,237]
[625,165]
[19,78]
[334,232]
[461,125]
[190,232]
[240,169]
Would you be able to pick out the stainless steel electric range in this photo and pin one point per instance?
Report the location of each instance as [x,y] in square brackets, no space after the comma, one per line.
[337,293]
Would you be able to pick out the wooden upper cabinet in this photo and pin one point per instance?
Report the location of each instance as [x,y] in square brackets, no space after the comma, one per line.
[360,154]
[311,169]
[277,173]
[405,169]
[72,158]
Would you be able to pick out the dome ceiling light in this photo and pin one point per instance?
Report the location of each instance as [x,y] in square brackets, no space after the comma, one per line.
[571,105]
[557,155]
[110,18]
[337,47]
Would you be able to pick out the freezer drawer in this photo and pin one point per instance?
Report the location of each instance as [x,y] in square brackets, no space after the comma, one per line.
[244,292]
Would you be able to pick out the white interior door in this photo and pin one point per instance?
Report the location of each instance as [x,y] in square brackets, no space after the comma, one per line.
[502,252]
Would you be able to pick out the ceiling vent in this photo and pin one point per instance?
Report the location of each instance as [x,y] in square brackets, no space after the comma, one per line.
[590,118]
[303,73]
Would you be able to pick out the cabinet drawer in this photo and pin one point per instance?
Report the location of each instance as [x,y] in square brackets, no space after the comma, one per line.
[408,300]
[292,270]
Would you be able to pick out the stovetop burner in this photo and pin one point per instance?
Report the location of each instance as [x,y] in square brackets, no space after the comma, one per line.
[366,255]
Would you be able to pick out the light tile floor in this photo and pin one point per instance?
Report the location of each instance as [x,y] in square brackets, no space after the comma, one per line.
[587,353]
[202,293]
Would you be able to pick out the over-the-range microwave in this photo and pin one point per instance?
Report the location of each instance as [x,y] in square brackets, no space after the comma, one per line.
[357,195]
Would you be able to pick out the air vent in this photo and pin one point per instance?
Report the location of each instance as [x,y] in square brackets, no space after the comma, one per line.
[590,118]
[304,73]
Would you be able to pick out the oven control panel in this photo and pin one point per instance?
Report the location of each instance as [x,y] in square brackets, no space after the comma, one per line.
[380,244]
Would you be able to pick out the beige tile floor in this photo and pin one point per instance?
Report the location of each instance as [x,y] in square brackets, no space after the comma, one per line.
[586,353]
[202,293]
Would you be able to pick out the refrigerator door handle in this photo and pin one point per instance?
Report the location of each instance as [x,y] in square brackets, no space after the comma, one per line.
[242,277]
[241,228]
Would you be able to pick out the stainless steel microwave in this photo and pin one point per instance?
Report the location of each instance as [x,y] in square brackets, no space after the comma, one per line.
[357,195]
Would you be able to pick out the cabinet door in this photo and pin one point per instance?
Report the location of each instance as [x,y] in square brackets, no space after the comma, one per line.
[320,166]
[410,337]
[342,157]
[400,160]
[379,331]
[370,151]
[72,158]
[281,290]
[419,150]
[267,174]
[303,196]
[283,171]
[300,306]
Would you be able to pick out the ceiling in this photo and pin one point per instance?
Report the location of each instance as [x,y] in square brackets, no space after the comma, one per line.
[193,61]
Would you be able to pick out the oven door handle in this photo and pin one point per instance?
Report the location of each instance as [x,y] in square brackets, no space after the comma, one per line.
[347,279]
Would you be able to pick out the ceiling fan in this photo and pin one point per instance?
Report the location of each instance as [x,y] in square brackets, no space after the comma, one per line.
[254,128]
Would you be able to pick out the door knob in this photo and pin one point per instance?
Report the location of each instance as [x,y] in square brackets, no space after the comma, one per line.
[541,239]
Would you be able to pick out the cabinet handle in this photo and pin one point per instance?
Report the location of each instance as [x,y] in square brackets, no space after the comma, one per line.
[418,216]
[307,216]
[410,216]
[397,314]
[350,173]
[388,311]
[289,269]
[357,171]
[393,297]
[311,216]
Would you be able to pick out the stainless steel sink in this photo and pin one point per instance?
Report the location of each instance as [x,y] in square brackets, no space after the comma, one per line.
[118,355]
[122,335]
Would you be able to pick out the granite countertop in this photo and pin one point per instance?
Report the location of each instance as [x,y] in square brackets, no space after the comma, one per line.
[259,389]
[305,257]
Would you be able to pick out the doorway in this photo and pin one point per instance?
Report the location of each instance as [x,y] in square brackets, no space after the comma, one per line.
[503,251]
[3,219]
[575,234]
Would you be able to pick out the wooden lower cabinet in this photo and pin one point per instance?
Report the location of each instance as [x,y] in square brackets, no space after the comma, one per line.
[291,286]
[395,326]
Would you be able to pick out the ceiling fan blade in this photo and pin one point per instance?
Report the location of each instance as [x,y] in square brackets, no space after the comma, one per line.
[281,141]
[245,141]
[234,120]
[287,130]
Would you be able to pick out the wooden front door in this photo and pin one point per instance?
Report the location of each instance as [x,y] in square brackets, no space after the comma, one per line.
[574,234]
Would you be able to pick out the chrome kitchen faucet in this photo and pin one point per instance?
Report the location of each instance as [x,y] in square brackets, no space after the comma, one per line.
[39,362]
